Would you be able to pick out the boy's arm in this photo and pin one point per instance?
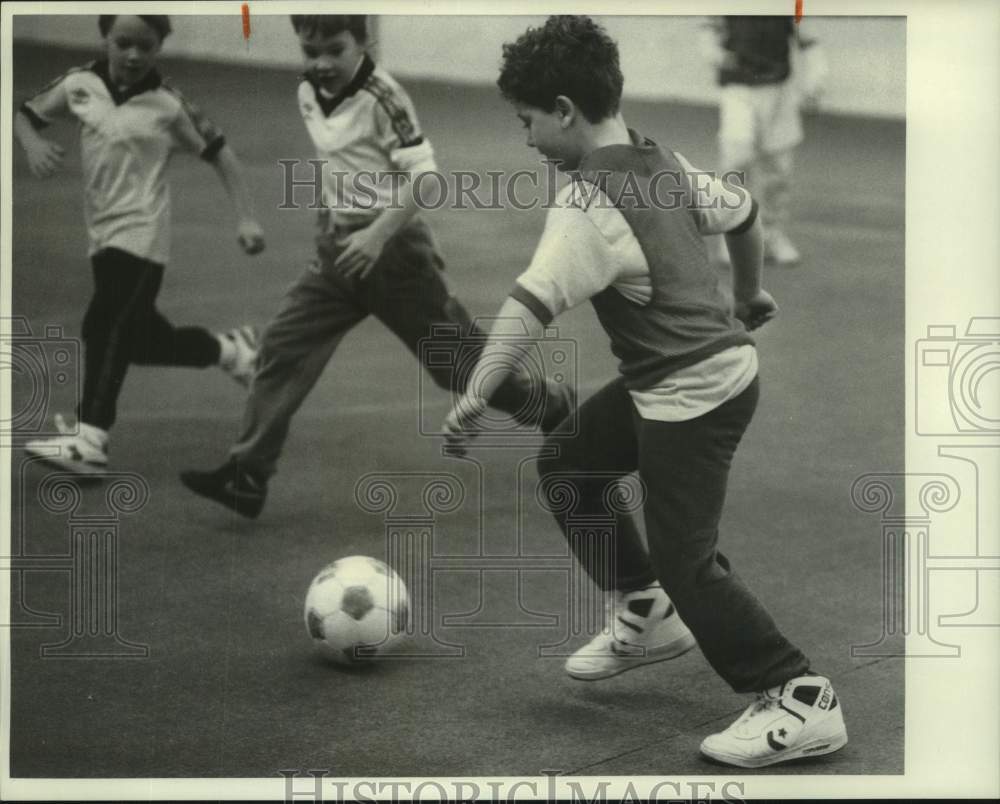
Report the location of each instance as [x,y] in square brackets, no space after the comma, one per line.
[230,172]
[398,132]
[501,358]
[44,155]
[710,38]
[197,134]
[720,207]
[574,260]
[364,246]
[754,306]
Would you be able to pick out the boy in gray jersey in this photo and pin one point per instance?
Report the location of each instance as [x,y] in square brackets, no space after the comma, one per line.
[626,234]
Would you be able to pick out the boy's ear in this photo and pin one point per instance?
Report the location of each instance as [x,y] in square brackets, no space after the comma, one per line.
[566,110]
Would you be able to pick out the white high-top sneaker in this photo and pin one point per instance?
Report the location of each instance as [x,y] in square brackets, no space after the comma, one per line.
[83,451]
[644,628]
[801,718]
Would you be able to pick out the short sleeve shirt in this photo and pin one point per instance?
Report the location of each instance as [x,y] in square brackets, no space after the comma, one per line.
[367,137]
[126,141]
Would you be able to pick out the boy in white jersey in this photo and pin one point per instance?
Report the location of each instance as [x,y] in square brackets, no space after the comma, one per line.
[375,257]
[626,234]
[130,124]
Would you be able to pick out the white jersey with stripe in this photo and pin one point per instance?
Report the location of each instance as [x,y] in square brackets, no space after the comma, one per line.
[126,140]
[587,246]
[363,136]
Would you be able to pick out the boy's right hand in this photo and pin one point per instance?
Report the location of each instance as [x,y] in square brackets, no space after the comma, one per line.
[250,236]
[757,311]
[44,157]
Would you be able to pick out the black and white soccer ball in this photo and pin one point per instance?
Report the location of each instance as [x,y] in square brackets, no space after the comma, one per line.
[356,609]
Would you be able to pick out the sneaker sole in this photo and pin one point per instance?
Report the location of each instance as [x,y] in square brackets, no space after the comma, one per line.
[247,508]
[671,650]
[81,468]
[814,748]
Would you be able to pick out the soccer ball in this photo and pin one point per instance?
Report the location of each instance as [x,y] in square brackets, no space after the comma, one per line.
[356,608]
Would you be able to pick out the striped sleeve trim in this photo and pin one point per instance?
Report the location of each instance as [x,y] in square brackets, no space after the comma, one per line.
[37,121]
[743,227]
[399,116]
[210,133]
[533,303]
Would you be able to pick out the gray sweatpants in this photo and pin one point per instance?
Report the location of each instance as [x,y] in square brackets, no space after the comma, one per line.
[406,292]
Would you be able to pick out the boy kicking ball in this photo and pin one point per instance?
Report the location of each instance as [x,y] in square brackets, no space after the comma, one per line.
[626,234]
[130,124]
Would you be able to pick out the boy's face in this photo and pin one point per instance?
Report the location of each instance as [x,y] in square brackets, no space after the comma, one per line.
[551,134]
[132,50]
[331,60]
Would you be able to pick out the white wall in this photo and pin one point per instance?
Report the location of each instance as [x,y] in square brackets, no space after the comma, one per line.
[867,55]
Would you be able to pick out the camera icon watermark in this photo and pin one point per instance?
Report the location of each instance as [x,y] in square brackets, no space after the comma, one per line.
[40,365]
[533,396]
[958,379]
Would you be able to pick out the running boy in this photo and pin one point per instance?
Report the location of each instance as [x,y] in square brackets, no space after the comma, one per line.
[131,122]
[375,257]
[626,234]
[767,71]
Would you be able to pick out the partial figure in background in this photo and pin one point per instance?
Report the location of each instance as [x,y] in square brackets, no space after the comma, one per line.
[131,122]
[767,70]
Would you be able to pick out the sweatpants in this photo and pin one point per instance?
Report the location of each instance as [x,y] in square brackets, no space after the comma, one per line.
[684,467]
[123,326]
[406,292]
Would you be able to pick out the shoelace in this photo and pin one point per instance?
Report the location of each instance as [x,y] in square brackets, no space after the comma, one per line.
[762,704]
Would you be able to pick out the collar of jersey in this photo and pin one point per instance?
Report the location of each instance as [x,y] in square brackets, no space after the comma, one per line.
[638,141]
[150,81]
[329,104]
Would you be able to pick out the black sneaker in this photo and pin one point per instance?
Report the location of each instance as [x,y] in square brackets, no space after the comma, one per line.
[231,486]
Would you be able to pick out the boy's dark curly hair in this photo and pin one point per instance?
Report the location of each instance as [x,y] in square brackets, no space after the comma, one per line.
[158,22]
[331,25]
[569,55]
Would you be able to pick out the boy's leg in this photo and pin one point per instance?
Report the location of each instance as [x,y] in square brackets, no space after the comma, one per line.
[775,185]
[315,314]
[578,469]
[781,133]
[408,294]
[578,474]
[686,466]
[737,144]
[160,343]
[125,288]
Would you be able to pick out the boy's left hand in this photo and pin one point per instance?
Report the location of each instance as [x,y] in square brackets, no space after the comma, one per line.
[361,251]
[250,236]
[461,422]
[757,311]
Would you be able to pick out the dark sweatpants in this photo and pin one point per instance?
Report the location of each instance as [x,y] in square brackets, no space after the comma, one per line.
[406,292]
[123,326]
[685,468]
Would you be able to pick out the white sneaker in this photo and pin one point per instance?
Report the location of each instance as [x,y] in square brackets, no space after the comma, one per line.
[801,718]
[84,452]
[239,353]
[644,628]
[778,248]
